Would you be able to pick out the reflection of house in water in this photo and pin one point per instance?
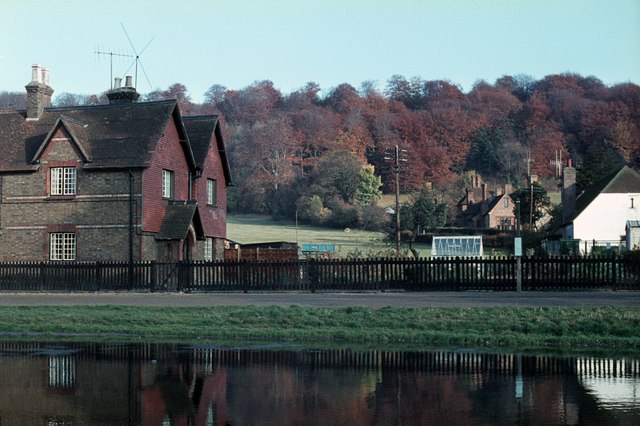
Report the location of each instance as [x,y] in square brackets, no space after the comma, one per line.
[188,385]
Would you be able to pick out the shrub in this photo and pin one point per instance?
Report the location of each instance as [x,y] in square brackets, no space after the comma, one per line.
[311,210]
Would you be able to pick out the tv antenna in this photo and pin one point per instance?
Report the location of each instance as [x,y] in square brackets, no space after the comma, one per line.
[110,54]
[137,60]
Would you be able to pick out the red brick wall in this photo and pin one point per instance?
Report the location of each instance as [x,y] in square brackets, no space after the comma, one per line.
[214,218]
[170,156]
[500,211]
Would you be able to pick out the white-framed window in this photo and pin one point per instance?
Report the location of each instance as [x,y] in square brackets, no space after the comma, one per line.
[506,203]
[167,184]
[62,246]
[212,192]
[63,181]
[208,249]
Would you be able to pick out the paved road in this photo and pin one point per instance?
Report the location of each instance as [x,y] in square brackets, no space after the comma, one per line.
[372,299]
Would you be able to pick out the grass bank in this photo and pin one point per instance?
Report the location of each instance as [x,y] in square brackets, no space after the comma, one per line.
[609,328]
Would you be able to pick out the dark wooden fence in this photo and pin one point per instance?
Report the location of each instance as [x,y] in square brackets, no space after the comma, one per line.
[457,274]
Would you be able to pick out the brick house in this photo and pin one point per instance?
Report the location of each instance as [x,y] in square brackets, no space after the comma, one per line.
[478,209]
[127,180]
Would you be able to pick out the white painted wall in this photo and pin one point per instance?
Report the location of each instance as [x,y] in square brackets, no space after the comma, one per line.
[605,218]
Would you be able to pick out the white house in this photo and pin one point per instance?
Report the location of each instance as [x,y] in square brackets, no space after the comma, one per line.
[599,216]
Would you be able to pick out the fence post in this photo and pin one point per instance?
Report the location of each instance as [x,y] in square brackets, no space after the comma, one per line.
[98,278]
[519,273]
[313,274]
[244,275]
[180,275]
[458,282]
[43,273]
[614,281]
[154,276]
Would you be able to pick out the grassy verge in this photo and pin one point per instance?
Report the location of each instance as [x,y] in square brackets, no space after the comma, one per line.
[509,328]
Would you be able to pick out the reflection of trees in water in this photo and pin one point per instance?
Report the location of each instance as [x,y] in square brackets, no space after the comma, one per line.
[207,385]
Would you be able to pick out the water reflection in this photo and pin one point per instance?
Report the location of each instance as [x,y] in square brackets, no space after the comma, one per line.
[103,384]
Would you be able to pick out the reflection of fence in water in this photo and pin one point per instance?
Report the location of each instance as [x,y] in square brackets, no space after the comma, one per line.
[438,361]
[441,361]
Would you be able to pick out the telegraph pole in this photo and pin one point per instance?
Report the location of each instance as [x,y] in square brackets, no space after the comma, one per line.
[398,157]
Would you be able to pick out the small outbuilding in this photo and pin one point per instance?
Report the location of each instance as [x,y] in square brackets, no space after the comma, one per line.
[633,235]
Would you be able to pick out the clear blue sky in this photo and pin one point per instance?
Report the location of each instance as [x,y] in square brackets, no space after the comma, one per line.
[291,42]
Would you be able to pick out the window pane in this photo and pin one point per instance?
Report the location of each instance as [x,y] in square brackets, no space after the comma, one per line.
[69,246]
[208,249]
[56,181]
[55,247]
[69,181]
[211,192]
[167,184]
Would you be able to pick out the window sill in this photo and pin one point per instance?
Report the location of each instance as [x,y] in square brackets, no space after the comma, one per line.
[60,197]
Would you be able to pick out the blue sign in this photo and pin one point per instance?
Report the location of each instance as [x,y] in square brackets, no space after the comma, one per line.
[319,247]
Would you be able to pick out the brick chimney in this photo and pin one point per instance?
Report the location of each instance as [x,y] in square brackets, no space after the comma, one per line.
[38,92]
[121,95]
[508,188]
[568,192]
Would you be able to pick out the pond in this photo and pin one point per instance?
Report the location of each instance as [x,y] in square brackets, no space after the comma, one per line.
[162,384]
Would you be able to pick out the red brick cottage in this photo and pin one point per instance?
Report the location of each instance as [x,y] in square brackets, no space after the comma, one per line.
[110,182]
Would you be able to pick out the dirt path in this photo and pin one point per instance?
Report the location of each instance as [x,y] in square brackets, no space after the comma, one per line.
[375,300]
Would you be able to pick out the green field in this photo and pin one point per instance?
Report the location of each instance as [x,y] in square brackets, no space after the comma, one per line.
[247,229]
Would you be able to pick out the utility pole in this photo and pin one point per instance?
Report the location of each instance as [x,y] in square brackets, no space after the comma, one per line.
[398,157]
[518,249]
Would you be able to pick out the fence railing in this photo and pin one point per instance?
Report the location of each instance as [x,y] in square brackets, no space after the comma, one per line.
[457,274]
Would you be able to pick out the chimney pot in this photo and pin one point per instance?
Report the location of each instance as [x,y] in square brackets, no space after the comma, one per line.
[45,76]
[35,73]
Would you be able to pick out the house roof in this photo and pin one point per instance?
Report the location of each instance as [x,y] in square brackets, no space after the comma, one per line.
[483,207]
[201,130]
[493,201]
[122,135]
[623,181]
[178,217]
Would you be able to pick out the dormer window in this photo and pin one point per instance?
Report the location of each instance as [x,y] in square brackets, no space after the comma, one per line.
[63,181]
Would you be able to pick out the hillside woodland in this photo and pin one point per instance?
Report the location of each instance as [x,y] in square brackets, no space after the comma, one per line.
[326,156]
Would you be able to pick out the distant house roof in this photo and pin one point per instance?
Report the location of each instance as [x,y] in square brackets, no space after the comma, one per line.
[493,201]
[178,217]
[481,208]
[122,135]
